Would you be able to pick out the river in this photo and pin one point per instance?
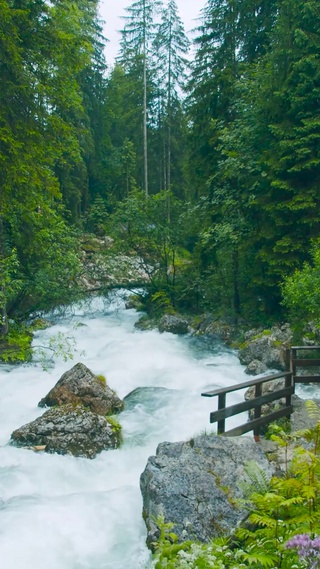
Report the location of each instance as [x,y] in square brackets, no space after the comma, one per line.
[61,512]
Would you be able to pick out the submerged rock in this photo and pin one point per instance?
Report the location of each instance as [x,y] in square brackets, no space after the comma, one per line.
[80,386]
[70,430]
[196,485]
[149,397]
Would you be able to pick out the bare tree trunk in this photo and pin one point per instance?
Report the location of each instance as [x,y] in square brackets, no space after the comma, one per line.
[169,124]
[145,139]
[236,293]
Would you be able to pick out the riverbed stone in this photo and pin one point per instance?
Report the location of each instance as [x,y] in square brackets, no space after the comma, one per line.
[196,485]
[80,386]
[69,429]
[174,324]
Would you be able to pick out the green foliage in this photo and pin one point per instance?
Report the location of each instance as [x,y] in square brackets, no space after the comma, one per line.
[16,346]
[142,228]
[301,293]
[58,346]
[97,217]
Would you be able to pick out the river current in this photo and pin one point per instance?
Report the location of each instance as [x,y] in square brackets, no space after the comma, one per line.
[61,512]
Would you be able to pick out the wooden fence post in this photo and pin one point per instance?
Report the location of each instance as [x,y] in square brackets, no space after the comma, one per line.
[221,405]
[257,412]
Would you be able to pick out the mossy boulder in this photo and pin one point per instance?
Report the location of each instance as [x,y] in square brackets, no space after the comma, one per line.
[69,429]
[173,323]
[79,386]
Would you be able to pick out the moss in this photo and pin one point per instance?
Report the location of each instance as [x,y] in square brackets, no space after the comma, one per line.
[225,489]
[101,379]
[115,427]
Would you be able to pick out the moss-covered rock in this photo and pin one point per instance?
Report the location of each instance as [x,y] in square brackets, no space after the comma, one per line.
[80,386]
[69,429]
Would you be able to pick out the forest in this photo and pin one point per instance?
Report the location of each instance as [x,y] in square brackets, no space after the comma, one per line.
[206,166]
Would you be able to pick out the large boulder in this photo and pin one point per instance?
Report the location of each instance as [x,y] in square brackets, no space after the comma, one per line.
[80,386]
[173,324]
[69,429]
[268,347]
[196,485]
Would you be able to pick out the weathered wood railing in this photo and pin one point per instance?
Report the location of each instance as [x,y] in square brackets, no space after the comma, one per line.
[254,425]
[290,378]
[294,362]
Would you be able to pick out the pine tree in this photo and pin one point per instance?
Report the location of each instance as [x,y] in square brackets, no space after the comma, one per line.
[136,42]
[289,103]
[171,46]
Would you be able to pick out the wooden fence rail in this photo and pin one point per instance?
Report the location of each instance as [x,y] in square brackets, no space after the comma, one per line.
[294,363]
[290,378]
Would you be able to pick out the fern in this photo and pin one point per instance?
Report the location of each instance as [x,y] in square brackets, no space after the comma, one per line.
[259,481]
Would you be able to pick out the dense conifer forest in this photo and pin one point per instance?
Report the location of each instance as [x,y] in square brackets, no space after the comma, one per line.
[206,167]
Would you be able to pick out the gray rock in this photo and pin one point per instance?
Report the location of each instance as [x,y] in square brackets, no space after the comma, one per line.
[255,368]
[80,386]
[195,485]
[300,418]
[70,430]
[269,347]
[223,328]
[267,387]
[173,324]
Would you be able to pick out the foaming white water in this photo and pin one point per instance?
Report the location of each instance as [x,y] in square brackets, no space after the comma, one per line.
[62,512]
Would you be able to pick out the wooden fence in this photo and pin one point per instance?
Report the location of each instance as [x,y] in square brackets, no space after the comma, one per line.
[290,379]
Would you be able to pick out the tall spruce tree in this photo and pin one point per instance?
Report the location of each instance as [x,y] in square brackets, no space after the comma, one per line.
[171,47]
[289,103]
[137,38]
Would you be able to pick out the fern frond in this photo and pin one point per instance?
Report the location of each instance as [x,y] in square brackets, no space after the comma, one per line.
[258,480]
[313,410]
[259,557]
[262,521]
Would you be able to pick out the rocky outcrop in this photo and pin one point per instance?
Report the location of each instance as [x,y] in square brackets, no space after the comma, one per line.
[174,324]
[268,347]
[196,485]
[255,368]
[80,386]
[69,429]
